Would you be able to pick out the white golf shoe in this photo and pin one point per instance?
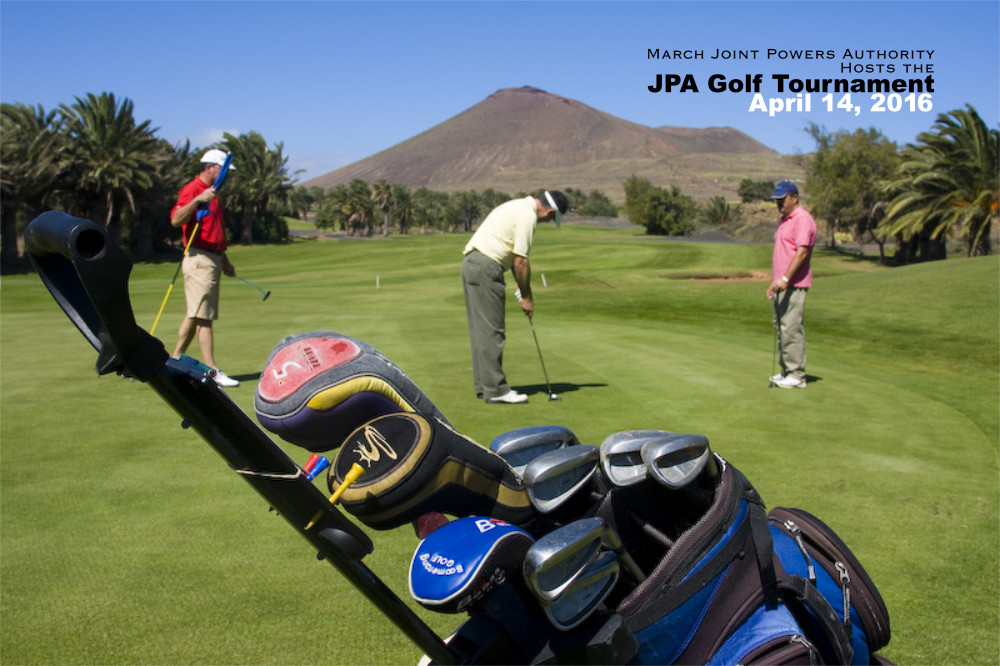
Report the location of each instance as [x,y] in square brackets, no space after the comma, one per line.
[511,397]
[222,379]
[790,382]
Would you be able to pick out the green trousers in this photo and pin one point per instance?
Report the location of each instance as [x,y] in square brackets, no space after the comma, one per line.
[789,313]
[485,292]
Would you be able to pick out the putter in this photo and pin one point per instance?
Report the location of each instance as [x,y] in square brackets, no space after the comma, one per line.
[678,460]
[777,341]
[266,293]
[554,477]
[582,597]
[552,396]
[621,457]
[557,559]
[521,446]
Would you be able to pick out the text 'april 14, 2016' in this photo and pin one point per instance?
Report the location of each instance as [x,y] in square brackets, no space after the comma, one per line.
[911,89]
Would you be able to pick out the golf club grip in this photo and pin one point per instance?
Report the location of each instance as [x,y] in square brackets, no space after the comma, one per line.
[88,277]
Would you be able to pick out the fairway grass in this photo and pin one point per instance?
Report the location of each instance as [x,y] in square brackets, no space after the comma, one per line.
[127,540]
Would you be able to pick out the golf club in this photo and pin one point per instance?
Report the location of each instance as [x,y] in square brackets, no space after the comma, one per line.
[554,477]
[266,293]
[557,559]
[582,597]
[552,396]
[621,457]
[777,344]
[522,445]
[677,461]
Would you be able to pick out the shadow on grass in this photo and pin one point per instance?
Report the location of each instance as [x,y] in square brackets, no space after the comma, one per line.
[557,388]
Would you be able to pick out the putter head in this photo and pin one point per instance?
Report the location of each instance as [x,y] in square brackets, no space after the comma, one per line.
[266,295]
[557,559]
[552,478]
[676,461]
[582,597]
[521,446]
[621,457]
[554,398]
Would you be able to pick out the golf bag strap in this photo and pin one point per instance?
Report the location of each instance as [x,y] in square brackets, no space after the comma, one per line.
[799,594]
[764,548]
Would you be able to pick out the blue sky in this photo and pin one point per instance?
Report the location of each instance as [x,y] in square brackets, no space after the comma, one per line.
[338,81]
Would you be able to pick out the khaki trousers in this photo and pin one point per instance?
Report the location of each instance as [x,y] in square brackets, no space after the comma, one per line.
[789,313]
[483,284]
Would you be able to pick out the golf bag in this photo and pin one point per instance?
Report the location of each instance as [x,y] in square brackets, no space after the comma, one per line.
[738,586]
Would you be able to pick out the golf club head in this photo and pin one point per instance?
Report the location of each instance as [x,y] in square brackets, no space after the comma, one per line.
[554,398]
[555,560]
[621,457]
[582,597]
[554,477]
[266,295]
[678,460]
[521,446]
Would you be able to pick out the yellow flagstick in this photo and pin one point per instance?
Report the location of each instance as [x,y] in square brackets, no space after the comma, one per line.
[353,475]
[163,305]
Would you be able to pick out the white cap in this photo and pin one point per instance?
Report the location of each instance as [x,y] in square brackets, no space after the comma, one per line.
[216,156]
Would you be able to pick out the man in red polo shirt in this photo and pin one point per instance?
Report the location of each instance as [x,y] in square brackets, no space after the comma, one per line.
[205,261]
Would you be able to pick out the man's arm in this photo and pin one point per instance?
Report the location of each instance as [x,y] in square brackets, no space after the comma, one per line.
[185,213]
[802,253]
[522,275]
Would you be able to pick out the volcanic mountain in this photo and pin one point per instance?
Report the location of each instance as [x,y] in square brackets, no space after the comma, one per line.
[520,139]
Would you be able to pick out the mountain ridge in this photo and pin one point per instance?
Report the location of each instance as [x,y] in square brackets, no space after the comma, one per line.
[520,139]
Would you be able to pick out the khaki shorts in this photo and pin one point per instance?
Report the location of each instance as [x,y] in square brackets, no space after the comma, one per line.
[202,270]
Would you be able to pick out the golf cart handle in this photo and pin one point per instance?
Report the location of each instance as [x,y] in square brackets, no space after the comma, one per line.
[88,277]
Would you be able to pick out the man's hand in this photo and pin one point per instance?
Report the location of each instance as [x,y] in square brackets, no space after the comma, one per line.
[227,268]
[527,306]
[206,196]
[775,288]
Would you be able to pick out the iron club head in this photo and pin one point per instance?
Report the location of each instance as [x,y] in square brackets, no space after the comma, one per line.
[522,445]
[621,457]
[678,460]
[553,478]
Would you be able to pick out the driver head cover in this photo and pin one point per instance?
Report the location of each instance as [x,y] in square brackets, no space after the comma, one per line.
[318,387]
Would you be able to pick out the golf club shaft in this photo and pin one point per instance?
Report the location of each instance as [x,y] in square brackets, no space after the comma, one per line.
[252,285]
[163,305]
[548,386]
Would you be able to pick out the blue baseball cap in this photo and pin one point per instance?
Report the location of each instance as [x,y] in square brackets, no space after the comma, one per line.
[783,189]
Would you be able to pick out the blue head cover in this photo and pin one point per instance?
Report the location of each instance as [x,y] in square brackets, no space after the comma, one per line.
[462,562]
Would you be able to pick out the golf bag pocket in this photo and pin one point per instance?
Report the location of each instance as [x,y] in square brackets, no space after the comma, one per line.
[415,465]
[316,388]
[709,581]
[461,563]
[806,547]
[769,636]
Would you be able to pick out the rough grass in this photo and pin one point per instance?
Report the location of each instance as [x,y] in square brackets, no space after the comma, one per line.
[127,540]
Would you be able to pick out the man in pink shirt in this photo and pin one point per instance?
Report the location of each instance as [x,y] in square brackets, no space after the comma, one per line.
[791,279]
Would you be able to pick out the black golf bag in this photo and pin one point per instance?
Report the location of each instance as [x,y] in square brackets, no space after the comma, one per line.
[724,581]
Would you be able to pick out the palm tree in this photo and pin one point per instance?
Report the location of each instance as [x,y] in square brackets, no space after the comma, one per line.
[359,208]
[382,197]
[112,157]
[718,213]
[402,207]
[31,145]
[948,181]
[259,182]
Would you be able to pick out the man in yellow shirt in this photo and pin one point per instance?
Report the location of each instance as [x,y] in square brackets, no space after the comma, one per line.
[501,243]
